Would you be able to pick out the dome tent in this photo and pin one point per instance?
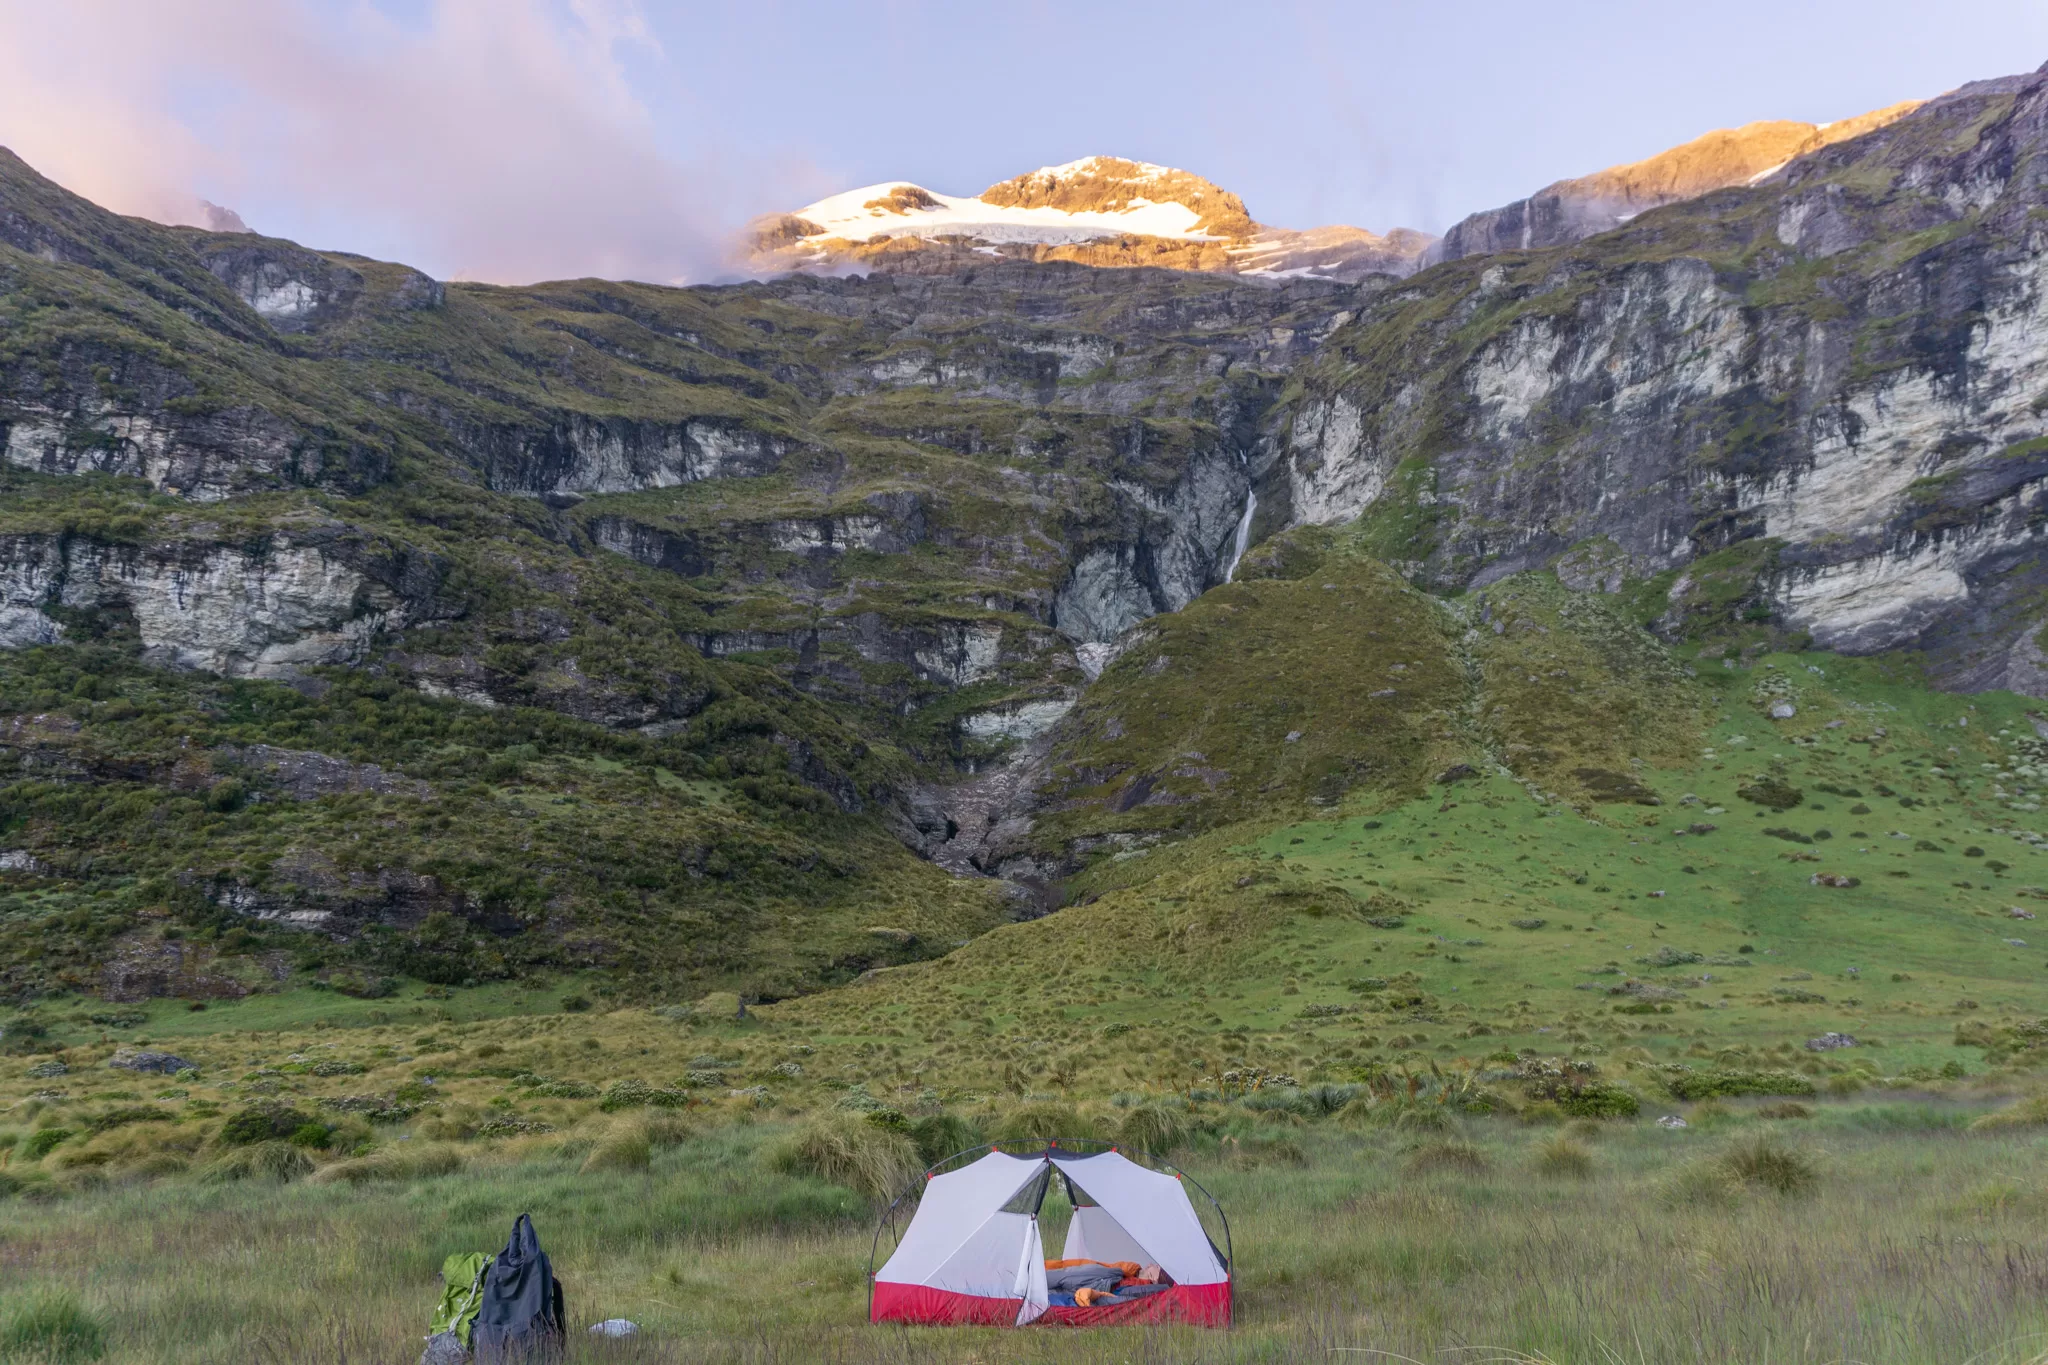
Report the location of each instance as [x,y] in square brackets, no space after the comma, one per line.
[972,1252]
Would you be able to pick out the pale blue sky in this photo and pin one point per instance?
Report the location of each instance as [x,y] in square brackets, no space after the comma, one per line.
[523,139]
[1315,111]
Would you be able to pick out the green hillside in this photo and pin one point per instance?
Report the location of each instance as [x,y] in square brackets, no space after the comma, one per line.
[1865,867]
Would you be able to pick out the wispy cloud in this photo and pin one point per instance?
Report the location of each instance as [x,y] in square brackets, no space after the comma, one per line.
[496,139]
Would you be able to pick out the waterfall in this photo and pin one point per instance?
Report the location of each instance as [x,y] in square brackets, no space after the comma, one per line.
[1244,533]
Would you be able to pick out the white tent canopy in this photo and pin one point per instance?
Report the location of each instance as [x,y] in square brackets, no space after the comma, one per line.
[975,1234]
[961,1241]
[1138,1215]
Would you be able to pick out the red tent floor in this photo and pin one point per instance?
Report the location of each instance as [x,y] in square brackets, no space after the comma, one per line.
[1203,1305]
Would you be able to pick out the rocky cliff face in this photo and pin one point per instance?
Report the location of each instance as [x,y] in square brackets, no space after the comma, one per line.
[265,612]
[1836,374]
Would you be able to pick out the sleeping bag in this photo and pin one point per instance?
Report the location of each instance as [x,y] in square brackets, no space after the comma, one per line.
[520,1315]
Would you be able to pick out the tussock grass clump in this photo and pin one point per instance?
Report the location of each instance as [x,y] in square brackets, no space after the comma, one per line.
[1790,1109]
[1761,1161]
[52,1329]
[1711,1114]
[275,1160]
[1563,1156]
[666,1130]
[1044,1119]
[1277,1099]
[1455,1158]
[1700,1185]
[1323,1100]
[1402,1114]
[1254,1153]
[850,1151]
[2001,1197]
[2027,1113]
[1153,1128]
[626,1148]
[939,1136]
[411,1162]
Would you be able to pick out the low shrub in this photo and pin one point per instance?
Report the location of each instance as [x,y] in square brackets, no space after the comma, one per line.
[370,1108]
[1687,1084]
[850,1151]
[636,1094]
[1598,1100]
[263,1123]
[52,1329]
[562,1090]
[42,1142]
[1771,792]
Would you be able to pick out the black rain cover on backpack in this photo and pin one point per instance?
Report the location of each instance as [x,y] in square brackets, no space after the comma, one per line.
[521,1316]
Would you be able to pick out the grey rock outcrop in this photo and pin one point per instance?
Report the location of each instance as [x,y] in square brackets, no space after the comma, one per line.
[1885,447]
[268,611]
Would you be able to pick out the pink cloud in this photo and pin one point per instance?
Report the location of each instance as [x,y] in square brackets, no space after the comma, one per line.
[495,139]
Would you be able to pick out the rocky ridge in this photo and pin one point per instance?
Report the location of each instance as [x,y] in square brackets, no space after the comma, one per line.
[1572,210]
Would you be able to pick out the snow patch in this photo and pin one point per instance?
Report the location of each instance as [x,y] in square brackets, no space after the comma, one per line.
[879,211]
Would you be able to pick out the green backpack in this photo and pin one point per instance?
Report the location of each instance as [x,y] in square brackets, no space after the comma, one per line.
[463,1273]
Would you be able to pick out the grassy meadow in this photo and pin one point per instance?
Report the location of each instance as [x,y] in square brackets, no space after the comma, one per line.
[1878,1229]
[1425,1036]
